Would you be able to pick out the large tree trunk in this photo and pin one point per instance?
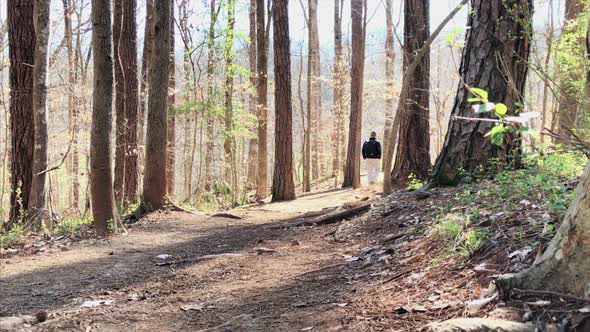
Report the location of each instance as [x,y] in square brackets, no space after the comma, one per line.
[119,181]
[565,265]
[128,56]
[155,186]
[101,176]
[501,30]
[262,181]
[38,197]
[228,137]
[189,134]
[389,65]
[148,38]
[209,115]
[571,78]
[253,144]
[21,46]
[352,174]
[413,145]
[313,86]
[171,131]
[283,187]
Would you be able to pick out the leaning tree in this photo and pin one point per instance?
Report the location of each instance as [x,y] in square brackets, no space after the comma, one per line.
[495,60]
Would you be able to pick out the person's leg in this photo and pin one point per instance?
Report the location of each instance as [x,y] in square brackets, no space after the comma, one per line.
[372,170]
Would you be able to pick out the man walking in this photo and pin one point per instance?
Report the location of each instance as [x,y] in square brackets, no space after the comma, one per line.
[372,154]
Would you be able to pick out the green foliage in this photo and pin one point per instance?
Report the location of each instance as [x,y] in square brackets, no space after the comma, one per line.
[453,228]
[472,241]
[12,238]
[414,183]
[71,226]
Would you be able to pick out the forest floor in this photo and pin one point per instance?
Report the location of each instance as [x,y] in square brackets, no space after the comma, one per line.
[173,271]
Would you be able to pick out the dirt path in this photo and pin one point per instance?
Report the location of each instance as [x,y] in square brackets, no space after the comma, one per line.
[214,272]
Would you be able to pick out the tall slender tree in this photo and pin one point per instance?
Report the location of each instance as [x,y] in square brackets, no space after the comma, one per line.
[261,41]
[413,149]
[338,94]
[171,131]
[101,176]
[37,202]
[143,89]
[119,180]
[21,46]
[155,179]
[389,63]
[313,88]
[210,115]
[352,174]
[128,59]
[283,187]
[228,139]
[253,144]
[502,28]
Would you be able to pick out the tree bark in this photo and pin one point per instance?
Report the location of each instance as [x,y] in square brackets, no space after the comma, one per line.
[283,187]
[171,131]
[148,39]
[571,78]
[565,265]
[119,180]
[101,177]
[413,144]
[253,144]
[501,30]
[228,137]
[389,63]
[128,56]
[352,174]
[21,45]
[338,82]
[209,115]
[313,87]
[155,186]
[262,180]
[546,81]
[37,202]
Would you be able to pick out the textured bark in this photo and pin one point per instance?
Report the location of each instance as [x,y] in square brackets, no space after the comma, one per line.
[253,144]
[313,87]
[413,144]
[262,180]
[171,131]
[209,115]
[73,106]
[338,82]
[189,134]
[497,41]
[21,45]
[228,137]
[101,177]
[565,265]
[547,63]
[155,179]
[119,180]
[128,56]
[389,63]
[352,171]
[568,100]
[37,202]
[143,89]
[283,187]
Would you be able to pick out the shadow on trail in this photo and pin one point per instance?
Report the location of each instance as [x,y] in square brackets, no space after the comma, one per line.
[55,287]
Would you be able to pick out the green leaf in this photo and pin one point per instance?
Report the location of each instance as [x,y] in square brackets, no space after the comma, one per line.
[474,100]
[497,134]
[449,38]
[483,94]
[501,109]
[482,108]
[524,129]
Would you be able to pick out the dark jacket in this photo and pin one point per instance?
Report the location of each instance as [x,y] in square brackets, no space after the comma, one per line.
[372,149]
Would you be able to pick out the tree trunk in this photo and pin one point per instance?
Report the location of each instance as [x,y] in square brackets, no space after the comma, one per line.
[313,90]
[389,63]
[253,145]
[171,131]
[283,187]
[413,144]
[21,46]
[119,181]
[37,202]
[565,265]
[128,56]
[466,148]
[143,89]
[338,81]
[210,116]
[571,78]
[352,174]
[155,179]
[228,137]
[546,80]
[189,134]
[262,181]
[101,176]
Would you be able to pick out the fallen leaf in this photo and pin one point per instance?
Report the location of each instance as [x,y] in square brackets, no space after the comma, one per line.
[307,328]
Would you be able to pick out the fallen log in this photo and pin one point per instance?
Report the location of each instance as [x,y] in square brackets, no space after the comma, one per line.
[337,216]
